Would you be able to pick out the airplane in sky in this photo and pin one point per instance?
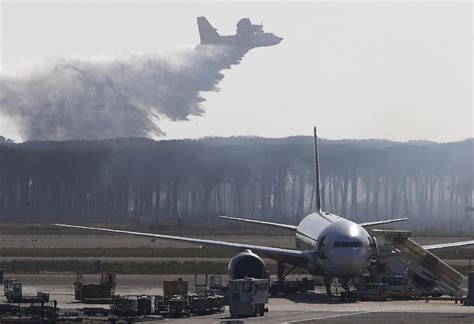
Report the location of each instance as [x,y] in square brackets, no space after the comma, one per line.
[247,36]
[328,245]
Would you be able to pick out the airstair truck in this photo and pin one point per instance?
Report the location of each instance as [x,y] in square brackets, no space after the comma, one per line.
[247,297]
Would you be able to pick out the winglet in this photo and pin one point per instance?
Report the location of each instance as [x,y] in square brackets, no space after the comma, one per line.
[317,177]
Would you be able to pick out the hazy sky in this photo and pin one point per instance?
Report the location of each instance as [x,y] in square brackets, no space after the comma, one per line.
[396,70]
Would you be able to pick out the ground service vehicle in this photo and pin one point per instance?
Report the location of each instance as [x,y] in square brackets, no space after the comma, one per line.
[247,297]
[288,287]
[13,290]
[172,306]
[384,286]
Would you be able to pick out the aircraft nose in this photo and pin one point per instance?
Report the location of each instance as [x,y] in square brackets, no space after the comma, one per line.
[347,263]
[276,40]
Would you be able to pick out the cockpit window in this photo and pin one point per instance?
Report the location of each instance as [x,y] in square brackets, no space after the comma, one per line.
[339,244]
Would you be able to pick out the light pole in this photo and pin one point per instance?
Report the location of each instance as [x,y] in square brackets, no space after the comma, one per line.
[469,210]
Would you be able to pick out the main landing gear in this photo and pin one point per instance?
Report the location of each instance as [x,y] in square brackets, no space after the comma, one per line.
[288,287]
[281,274]
[281,286]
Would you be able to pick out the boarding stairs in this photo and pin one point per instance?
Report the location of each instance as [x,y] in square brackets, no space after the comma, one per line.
[424,263]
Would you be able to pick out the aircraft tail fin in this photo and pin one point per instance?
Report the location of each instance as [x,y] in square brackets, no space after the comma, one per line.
[207,33]
[317,176]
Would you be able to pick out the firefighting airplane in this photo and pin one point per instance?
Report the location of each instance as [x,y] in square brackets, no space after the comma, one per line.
[247,35]
[327,245]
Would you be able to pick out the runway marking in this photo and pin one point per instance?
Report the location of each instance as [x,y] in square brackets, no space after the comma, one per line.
[268,316]
[330,316]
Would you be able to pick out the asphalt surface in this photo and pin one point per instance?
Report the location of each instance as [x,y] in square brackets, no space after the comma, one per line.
[348,317]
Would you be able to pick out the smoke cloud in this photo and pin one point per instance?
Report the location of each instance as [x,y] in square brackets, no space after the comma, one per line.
[75,99]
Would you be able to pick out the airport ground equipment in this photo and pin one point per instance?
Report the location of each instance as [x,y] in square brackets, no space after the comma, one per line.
[85,292]
[247,297]
[25,312]
[288,287]
[172,306]
[291,286]
[206,305]
[210,286]
[382,286]
[43,296]
[13,290]
[43,310]
[201,287]
[470,289]
[175,287]
[424,270]
[215,282]
[132,305]
[95,311]
[179,306]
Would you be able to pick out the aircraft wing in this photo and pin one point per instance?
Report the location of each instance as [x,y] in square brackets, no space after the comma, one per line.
[370,224]
[252,221]
[448,245]
[294,257]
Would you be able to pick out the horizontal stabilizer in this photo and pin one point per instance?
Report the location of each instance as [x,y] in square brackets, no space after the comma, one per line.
[252,221]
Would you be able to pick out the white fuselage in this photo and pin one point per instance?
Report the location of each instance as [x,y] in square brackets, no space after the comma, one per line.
[342,248]
[248,40]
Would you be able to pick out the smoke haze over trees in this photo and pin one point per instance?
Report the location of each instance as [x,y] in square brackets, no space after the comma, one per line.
[107,99]
[141,181]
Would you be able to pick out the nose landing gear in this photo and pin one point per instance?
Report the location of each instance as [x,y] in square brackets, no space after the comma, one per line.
[347,294]
[327,284]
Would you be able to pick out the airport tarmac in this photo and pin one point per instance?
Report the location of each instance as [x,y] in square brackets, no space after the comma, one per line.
[301,308]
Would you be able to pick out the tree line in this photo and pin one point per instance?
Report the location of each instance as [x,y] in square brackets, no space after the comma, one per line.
[141,181]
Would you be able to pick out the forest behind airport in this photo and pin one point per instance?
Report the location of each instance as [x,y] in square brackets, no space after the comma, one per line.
[140,181]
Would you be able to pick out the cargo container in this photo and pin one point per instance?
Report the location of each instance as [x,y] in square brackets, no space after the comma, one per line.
[94,291]
[175,287]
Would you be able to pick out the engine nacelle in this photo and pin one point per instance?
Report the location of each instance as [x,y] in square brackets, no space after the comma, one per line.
[247,264]
[374,247]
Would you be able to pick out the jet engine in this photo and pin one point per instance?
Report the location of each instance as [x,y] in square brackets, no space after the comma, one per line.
[374,248]
[247,264]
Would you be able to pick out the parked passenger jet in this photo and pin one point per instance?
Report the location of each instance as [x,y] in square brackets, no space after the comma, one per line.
[327,245]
